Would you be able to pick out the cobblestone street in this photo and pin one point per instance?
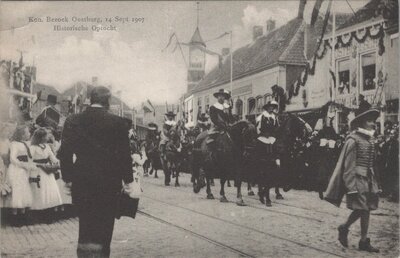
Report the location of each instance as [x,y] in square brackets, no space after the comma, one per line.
[175,222]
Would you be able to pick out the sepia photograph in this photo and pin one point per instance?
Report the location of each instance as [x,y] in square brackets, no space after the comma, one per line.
[199,128]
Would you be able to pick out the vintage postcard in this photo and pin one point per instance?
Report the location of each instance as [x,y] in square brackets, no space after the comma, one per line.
[199,128]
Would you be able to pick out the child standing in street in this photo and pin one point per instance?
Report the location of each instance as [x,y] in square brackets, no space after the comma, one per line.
[355,176]
[46,195]
[18,174]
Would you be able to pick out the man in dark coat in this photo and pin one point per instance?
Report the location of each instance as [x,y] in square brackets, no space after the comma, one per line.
[95,158]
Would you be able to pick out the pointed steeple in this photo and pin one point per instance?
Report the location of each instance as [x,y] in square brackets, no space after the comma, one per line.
[196,38]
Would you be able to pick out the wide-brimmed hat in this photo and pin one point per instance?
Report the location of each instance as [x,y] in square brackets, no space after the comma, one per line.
[152,126]
[271,103]
[170,113]
[363,114]
[222,92]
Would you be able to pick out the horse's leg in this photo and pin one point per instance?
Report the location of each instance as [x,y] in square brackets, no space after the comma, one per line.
[267,199]
[222,191]
[228,183]
[278,194]
[210,196]
[249,190]
[177,176]
[212,182]
[261,193]
[239,200]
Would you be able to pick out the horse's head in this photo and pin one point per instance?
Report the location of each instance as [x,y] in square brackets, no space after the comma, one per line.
[243,133]
[291,127]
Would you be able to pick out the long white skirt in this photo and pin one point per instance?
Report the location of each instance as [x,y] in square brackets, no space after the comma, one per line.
[21,195]
[48,194]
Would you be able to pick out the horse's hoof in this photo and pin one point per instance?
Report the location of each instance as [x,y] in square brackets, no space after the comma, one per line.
[210,197]
[155,176]
[250,193]
[196,188]
[268,203]
[146,175]
[229,185]
[177,184]
[151,172]
[201,184]
[279,197]
[166,184]
[223,199]
[286,188]
[240,202]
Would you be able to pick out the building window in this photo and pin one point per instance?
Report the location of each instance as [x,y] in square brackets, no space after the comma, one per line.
[207,103]
[267,97]
[199,107]
[252,106]
[368,71]
[239,108]
[259,104]
[344,77]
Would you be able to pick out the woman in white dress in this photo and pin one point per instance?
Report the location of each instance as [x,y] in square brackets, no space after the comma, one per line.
[47,194]
[6,130]
[18,171]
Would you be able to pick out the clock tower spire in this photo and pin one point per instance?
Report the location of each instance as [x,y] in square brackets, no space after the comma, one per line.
[197,57]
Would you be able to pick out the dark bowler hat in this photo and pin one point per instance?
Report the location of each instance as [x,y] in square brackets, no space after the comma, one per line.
[170,114]
[222,92]
[52,99]
[362,114]
[271,103]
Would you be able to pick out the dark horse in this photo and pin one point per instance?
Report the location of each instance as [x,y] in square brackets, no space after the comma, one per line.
[273,173]
[227,163]
[153,156]
[174,157]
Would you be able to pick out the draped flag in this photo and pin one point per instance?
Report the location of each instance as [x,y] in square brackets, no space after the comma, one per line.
[315,12]
[148,107]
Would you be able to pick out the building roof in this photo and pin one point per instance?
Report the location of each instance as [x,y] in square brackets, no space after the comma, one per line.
[278,46]
[196,38]
[46,90]
[374,9]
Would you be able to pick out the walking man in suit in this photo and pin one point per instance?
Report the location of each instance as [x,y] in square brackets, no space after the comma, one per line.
[95,161]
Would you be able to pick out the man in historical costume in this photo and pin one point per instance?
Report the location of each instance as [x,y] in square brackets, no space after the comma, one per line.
[267,125]
[50,116]
[355,176]
[152,141]
[95,159]
[168,126]
[221,118]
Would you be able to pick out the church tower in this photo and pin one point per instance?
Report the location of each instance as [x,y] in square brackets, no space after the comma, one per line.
[197,57]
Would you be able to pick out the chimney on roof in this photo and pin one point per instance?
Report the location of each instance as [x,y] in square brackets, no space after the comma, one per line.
[257,32]
[302,6]
[270,26]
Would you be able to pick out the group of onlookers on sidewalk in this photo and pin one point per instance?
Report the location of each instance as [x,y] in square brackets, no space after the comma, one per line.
[30,185]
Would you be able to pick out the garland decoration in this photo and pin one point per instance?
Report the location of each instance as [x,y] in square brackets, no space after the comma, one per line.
[342,41]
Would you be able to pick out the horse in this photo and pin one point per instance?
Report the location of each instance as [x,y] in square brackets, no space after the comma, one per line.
[153,155]
[227,163]
[274,173]
[173,153]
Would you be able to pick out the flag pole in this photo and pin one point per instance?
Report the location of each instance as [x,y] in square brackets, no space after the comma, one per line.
[231,84]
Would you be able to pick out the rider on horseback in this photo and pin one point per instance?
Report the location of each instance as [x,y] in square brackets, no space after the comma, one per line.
[168,126]
[221,116]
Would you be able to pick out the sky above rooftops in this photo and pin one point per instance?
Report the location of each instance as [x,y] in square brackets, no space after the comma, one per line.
[131,58]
